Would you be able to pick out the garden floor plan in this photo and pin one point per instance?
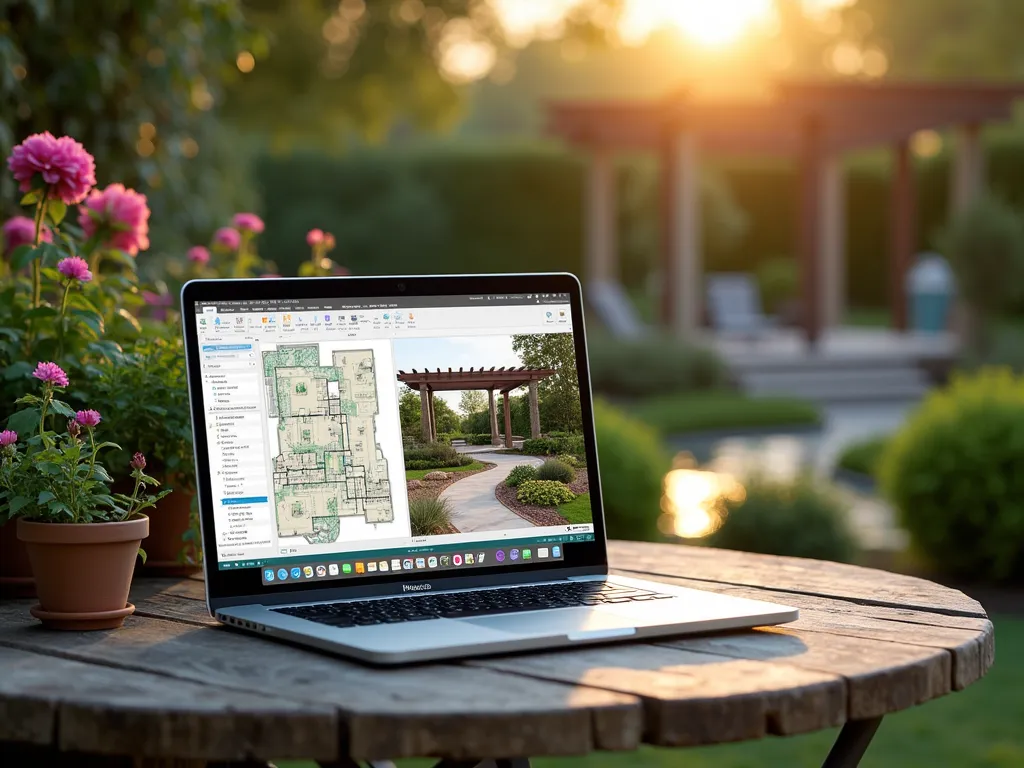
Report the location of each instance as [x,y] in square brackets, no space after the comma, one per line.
[329,464]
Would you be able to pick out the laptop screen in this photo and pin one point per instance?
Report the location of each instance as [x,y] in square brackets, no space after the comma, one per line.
[352,438]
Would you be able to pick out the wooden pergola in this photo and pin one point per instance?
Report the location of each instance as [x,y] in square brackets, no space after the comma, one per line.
[812,122]
[502,380]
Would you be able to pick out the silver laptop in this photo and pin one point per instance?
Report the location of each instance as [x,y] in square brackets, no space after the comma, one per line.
[369,458]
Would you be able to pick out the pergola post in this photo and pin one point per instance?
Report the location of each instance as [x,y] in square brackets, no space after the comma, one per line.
[424,413]
[968,173]
[433,418]
[534,411]
[508,421]
[493,412]
[809,224]
[601,219]
[902,231]
[682,286]
[833,241]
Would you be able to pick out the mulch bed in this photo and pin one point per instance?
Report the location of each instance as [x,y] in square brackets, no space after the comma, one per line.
[431,489]
[540,515]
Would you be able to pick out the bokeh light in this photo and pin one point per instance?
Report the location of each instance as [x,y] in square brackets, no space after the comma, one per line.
[695,500]
[245,62]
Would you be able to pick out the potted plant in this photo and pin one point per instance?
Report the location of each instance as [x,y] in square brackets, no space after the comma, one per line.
[160,426]
[82,540]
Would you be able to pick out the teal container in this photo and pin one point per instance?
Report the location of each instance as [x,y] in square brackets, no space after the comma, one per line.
[929,312]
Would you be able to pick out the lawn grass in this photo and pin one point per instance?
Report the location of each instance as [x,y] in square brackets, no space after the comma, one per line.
[702,411]
[863,455]
[978,727]
[578,510]
[418,474]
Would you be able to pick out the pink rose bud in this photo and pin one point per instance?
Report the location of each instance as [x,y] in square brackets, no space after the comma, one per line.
[138,461]
[73,428]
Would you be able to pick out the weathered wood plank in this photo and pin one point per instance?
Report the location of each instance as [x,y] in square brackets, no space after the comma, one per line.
[90,708]
[697,698]
[881,677]
[826,604]
[451,711]
[972,650]
[811,577]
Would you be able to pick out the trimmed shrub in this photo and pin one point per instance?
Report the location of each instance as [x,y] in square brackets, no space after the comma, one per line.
[484,438]
[955,473]
[799,517]
[429,517]
[556,470]
[577,462]
[435,456]
[520,474]
[540,446]
[544,493]
[778,281]
[633,462]
[652,366]
[863,456]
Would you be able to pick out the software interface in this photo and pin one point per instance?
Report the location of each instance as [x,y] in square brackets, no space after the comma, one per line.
[353,437]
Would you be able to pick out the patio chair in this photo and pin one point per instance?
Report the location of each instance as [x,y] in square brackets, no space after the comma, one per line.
[615,310]
[734,306]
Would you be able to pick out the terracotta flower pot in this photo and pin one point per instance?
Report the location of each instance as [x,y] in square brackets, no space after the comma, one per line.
[83,571]
[15,569]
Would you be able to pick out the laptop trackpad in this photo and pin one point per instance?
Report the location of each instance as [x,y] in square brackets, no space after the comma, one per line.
[576,623]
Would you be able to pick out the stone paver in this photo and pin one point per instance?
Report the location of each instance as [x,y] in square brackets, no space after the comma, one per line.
[472,501]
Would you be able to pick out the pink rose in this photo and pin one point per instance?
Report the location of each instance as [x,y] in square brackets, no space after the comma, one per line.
[75,268]
[51,373]
[61,165]
[198,254]
[227,239]
[8,437]
[119,215]
[248,222]
[314,237]
[88,418]
[20,231]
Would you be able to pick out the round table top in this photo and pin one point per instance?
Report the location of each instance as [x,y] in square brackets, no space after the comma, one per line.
[172,683]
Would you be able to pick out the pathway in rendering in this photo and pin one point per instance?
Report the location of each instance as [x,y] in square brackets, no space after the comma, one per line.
[472,501]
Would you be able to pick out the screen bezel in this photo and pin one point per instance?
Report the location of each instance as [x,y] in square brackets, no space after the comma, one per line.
[580,557]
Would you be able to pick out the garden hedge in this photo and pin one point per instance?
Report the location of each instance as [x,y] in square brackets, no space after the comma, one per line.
[498,209]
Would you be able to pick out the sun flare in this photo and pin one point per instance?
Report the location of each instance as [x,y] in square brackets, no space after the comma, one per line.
[711,23]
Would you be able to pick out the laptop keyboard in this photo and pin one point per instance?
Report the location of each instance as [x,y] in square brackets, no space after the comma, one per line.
[457,605]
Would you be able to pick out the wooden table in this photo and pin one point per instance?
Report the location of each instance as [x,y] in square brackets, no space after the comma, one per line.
[171,688]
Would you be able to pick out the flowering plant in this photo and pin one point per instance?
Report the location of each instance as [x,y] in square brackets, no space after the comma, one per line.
[54,475]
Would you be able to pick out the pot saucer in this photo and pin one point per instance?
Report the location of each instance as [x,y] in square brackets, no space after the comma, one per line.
[81,620]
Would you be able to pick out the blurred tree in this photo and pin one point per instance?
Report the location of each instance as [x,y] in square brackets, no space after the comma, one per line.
[137,82]
[472,401]
[560,393]
[940,38]
[333,68]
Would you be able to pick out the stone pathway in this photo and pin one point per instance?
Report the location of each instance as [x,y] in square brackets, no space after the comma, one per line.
[472,501]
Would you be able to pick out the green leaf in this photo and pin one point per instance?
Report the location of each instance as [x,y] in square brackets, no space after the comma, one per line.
[44,312]
[45,496]
[24,255]
[56,210]
[18,503]
[79,300]
[33,197]
[89,319]
[17,370]
[132,320]
[62,409]
[142,554]
[24,422]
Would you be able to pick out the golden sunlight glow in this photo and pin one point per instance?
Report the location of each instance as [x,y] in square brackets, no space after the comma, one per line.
[927,143]
[245,62]
[694,499]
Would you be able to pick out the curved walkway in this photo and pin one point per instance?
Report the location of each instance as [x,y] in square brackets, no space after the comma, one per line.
[473,503]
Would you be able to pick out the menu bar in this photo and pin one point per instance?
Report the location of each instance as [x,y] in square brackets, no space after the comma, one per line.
[414,564]
[381,302]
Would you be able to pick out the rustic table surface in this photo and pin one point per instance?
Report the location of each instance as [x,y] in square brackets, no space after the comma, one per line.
[173,688]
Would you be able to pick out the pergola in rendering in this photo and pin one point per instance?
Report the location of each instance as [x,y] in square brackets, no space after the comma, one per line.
[813,122]
[502,380]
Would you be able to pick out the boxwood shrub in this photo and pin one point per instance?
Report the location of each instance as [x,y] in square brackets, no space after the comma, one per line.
[633,462]
[556,470]
[544,493]
[955,473]
[801,518]
[520,474]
